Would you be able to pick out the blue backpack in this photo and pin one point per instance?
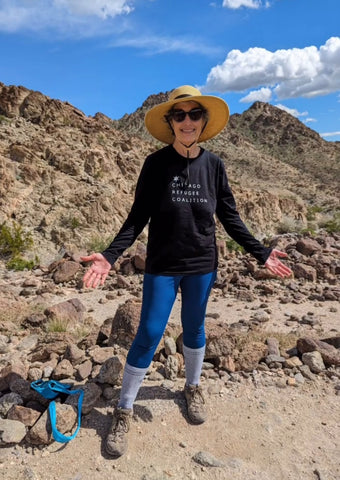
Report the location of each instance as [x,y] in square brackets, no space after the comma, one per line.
[50,389]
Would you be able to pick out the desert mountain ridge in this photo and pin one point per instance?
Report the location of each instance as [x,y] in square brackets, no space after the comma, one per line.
[69,178]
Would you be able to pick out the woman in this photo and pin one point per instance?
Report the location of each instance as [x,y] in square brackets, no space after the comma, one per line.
[180,189]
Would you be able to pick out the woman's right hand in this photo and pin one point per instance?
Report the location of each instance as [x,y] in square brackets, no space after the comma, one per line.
[99,270]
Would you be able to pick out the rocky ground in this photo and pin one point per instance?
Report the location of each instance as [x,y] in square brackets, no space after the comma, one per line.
[271,373]
[261,432]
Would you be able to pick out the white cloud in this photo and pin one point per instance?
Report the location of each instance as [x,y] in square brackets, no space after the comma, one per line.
[99,8]
[154,45]
[234,4]
[310,120]
[296,113]
[84,17]
[330,134]
[292,111]
[295,72]
[262,95]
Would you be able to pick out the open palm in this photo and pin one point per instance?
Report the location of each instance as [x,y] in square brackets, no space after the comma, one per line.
[99,270]
[276,266]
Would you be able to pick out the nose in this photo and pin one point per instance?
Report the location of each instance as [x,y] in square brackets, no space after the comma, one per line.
[187,119]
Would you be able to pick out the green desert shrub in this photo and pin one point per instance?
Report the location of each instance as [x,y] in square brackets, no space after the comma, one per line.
[332,225]
[312,212]
[14,241]
[233,246]
[98,243]
[4,119]
[70,222]
[19,264]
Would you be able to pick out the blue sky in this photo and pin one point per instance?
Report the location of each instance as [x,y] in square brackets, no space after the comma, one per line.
[109,55]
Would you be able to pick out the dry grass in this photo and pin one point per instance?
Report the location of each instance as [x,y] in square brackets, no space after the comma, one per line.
[57,326]
[286,340]
[16,311]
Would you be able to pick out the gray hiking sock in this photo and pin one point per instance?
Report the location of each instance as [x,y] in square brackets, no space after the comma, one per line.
[132,379]
[193,359]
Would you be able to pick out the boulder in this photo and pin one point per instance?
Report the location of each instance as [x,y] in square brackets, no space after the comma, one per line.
[41,432]
[11,432]
[27,416]
[172,367]
[169,345]
[304,271]
[84,370]
[250,356]
[125,324]
[111,371]
[330,355]
[7,401]
[92,393]
[101,354]
[23,389]
[273,346]
[314,361]
[11,372]
[63,370]
[307,246]
[65,271]
[69,313]
[74,354]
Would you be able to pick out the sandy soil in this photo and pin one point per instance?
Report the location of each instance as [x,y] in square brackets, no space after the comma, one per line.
[261,433]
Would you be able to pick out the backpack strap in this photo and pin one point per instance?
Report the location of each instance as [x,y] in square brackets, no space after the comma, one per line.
[58,436]
[49,389]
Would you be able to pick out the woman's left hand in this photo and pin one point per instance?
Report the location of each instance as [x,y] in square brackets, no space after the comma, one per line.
[276,266]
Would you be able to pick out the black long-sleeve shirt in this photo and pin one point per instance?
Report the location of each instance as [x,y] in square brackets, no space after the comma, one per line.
[179,197]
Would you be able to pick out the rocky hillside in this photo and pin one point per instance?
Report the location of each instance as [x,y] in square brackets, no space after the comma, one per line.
[69,179]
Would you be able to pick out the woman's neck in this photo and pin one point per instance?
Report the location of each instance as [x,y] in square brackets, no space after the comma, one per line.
[193,150]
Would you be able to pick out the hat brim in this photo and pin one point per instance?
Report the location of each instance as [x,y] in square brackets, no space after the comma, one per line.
[217,109]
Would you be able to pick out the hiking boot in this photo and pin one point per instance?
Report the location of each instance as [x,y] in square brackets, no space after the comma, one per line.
[195,403]
[116,441]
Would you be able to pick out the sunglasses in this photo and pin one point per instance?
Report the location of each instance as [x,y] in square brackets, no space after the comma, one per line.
[179,115]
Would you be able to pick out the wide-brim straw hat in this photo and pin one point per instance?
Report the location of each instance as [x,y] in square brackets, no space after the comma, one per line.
[217,108]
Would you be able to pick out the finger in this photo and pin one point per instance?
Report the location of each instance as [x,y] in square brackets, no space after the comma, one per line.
[85,279]
[284,271]
[90,278]
[87,258]
[283,267]
[278,253]
[87,283]
[96,281]
[280,273]
[279,269]
[272,270]
[87,276]
[288,272]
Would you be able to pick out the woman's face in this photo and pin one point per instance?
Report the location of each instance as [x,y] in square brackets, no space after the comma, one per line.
[187,131]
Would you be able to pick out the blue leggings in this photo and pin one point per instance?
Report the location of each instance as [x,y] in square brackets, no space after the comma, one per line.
[159,294]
